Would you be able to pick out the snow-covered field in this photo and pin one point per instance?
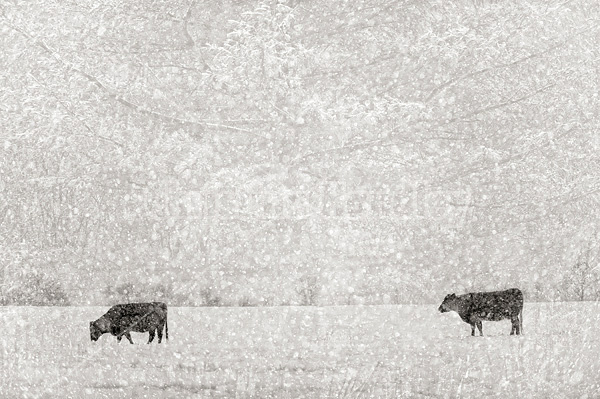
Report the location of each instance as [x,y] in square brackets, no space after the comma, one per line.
[294,352]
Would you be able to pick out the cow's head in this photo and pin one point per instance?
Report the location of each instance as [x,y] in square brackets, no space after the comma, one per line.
[95,332]
[98,327]
[450,303]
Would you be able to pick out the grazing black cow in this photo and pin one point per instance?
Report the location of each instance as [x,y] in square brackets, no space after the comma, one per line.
[138,317]
[495,305]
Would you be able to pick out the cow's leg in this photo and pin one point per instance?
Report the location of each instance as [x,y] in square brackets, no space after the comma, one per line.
[119,338]
[128,336]
[515,326]
[480,327]
[159,330]
[151,335]
[472,329]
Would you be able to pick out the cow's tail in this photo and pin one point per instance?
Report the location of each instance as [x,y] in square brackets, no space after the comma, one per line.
[166,323]
[521,321]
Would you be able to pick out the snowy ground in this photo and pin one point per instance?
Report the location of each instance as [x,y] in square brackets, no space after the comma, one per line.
[293,352]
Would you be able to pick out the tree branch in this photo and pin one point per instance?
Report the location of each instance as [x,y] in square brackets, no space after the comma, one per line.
[501,105]
[117,96]
[469,75]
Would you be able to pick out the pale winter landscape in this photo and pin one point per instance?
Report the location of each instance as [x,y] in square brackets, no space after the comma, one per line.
[302,183]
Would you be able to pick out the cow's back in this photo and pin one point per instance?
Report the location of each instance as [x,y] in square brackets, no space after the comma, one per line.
[495,305]
[139,317]
[139,307]
[129,309]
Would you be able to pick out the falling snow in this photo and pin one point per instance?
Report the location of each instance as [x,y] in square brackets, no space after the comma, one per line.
[302,183]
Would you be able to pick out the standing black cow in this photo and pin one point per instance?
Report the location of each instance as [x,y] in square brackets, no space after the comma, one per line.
[138,317]
[496,305]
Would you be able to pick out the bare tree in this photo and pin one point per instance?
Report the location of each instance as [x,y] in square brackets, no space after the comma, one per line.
[308,290]
[581,282]
[36,289]
[209,297]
